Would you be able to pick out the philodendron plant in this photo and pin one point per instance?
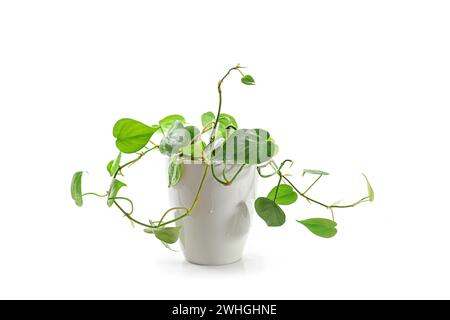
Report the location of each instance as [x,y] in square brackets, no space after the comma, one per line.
[218,143]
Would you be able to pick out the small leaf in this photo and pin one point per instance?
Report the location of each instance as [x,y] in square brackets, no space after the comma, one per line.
[270,212]
[75,188]
[317,172]
[285,196]
[320,227]
[109,167]
[207,118]
[114,165]
[369,189]
[166,123]
[168,235]
[113,190]
[226,120]
[132,135]
[248,80]
[175,170]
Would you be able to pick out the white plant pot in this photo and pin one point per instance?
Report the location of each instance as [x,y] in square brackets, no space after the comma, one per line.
[216,231]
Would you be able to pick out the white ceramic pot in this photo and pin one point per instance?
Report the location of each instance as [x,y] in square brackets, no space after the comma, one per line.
[216,231]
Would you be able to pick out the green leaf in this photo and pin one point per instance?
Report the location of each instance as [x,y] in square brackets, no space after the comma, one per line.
[285,196]
[226,120]
[193,131]
[168,235]
[320,227]
[175,170]
[114,165]
[113,190]
[369,189]
[75,188]
[248,80]
[247,146]
[166,123]
[176,138]
[207,118]
[270,212]
[131,135]
[317,172]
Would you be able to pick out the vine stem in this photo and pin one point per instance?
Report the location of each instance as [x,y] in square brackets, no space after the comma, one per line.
[219,89]
[320,203]
[309,188]
[188,211]
[129,163]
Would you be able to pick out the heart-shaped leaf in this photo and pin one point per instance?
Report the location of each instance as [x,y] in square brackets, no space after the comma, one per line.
[167,122]
[131,135]
[248,80]
[285,195]
[369,189]
[207,118]
[113,190]
[175,170]
[270,212]
[75,188]
[321,227]
[316,172]
[168,235]
[245,146]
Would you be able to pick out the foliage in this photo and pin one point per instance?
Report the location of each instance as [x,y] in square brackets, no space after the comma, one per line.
[219,141]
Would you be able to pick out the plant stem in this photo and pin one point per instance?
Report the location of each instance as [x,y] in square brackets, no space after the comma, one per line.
[219,89]
[188,211]
[309,188]
[129,163]
[94,194]
[278,187]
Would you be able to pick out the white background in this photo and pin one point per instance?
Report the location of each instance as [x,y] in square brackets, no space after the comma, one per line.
[343,86]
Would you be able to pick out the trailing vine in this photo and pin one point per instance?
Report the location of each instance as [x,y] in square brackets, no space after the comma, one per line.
[226,145]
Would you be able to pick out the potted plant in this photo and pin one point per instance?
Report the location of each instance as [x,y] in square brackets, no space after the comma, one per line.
[212,175]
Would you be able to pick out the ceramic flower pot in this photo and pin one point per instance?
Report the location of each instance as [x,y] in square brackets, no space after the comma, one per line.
[216,231]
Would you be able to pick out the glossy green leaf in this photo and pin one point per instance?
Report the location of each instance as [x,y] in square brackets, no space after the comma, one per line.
[175,170]
[285,196]
[321,227]
[248,80]
[207,118]
[270,212]
[166,123]
[176,138]
[131,135]
[245,146]
[75,188]
[316,172]
[114,165]
[369,189]
[114,190]
[168,235]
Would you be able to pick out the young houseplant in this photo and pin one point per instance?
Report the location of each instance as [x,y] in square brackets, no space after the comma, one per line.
[212,175]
